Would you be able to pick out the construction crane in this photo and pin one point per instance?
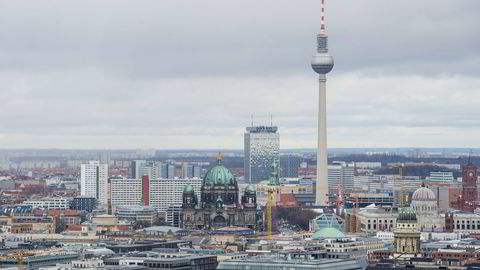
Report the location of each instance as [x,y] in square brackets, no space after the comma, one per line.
[271,204]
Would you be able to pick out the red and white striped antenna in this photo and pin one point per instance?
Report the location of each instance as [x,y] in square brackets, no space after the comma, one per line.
[322,22]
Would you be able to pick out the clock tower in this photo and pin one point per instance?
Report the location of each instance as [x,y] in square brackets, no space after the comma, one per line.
[469,192]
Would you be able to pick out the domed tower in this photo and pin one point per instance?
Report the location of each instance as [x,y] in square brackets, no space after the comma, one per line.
[188,206]
[219,182]
[425,205]
[406,235]
[249,198]
[189,197]
[322,63]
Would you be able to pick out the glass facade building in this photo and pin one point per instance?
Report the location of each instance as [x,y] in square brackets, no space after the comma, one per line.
[262,148]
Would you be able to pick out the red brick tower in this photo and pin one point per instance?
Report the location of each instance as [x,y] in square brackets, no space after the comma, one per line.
[469,192]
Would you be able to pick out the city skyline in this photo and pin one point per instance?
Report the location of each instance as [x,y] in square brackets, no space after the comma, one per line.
[97,81]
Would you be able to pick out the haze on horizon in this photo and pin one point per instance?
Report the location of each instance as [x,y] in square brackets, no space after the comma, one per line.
[189,74]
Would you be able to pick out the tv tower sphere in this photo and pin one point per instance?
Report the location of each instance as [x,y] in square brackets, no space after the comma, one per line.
[322,62]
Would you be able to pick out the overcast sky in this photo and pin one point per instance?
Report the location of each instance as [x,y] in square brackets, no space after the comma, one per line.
[171,74]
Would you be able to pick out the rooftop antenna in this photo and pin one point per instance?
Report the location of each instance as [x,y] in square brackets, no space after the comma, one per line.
[271,120]
[252,119]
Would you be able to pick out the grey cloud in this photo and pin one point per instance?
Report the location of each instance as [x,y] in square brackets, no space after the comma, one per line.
[189,74]
[215,37]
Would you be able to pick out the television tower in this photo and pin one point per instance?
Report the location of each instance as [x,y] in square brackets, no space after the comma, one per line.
[322,63]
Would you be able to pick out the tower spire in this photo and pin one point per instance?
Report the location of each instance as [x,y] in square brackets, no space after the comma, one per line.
[322,22]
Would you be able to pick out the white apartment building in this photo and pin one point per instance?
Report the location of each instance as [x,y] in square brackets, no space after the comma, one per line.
[94,181]
[157,193]
[442,177]
[49,203]
[340,173]
[368,165]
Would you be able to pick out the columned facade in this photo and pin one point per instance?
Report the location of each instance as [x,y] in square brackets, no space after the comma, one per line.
[406,234]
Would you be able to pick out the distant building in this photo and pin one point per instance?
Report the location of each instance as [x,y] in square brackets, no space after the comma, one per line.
[170,261]
[94,181]
[442,177]
[289,165]
[167,171]
[84,203]
[403,188]
[262,148]
[365,199]
[340,174]
[463,222]
[370,220]
[368,165]
[191,170]
[288,186]
[50,203]
[136,213]
[4,161]
[174,215]
[286,262]
[135,168]
[157,193]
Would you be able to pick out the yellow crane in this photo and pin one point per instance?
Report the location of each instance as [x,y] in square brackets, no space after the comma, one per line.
[271,203]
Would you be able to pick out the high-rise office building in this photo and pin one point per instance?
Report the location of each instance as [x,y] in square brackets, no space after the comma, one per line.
[322,63]
[94,181]
[105,157]
[191,170]
[289,165]
[135,168]
[167,171]
[150,169]
[4,161]
[340,174]
[262,149]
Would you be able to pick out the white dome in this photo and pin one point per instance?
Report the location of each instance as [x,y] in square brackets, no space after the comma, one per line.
[424,194]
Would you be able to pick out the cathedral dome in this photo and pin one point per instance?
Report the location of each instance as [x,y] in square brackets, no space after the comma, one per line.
[188,189]
[219,175]
[424,194]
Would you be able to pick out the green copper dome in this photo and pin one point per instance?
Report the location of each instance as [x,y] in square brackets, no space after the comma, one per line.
[219,176]
[250,189]
[406,215]
[188,189]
